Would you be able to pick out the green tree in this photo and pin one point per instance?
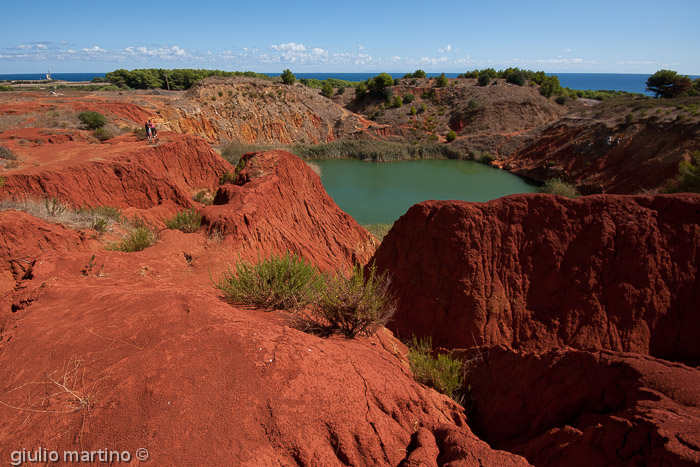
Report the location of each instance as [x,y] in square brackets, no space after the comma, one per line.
[419,74]
[288,77]
[441,81]
[484,79]
[451,136]
[668,83]
[327,89]
[360,91]
[517,77]
[550,86]
[380,86]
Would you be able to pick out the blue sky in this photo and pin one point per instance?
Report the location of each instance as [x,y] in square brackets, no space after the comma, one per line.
[614,36]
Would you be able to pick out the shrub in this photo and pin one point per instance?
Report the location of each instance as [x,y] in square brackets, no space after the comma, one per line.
[187,221]
[688,178]
[355,305]
[473,104]
[550,86]
[204,197]
[444,373]
[102,134]
[139,239]
[561,100]
[556,186]
[451,136]
[408,98]
[227,177]
[419,74]
[397,102]
[140,132]
[413,110]
[484,79]
[5,88]
[441,81]
[282,282]
[6,153]
[517,77]
[92,120]
[327,89]
[288,77]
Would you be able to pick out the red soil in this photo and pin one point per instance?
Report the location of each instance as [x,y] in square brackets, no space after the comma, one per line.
[538,272]
[279,204]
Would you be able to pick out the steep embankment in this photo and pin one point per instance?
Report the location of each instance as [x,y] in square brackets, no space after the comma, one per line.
[539,272]
[277,203]
[571,311]
[614,156]
[126,173]
[256,111]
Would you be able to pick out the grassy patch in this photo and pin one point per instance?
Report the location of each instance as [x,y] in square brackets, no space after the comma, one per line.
[379,231]
[7,154]
[557,186]
[282,282]
[139,239]
[688,178]
[187,221]
[442,373]
[53,210]
[377,151]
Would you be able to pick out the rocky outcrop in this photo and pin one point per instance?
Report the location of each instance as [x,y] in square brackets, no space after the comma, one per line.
[278,204]
[256,111]
[578,408]
[123,174]
[614,157]
[537,272]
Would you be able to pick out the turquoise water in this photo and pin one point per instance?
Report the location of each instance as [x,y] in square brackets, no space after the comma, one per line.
[382,192]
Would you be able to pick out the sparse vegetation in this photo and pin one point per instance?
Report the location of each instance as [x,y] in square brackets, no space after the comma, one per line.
[204,197]
[358,304]
[139,239]
[93,120]
[187,221]
[442,373]
[557,186]
[379,231]
[7,154]
[688,178]
[377,151]
[282,282]
[102,134]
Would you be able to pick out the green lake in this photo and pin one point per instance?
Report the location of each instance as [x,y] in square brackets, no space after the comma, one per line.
[382,192]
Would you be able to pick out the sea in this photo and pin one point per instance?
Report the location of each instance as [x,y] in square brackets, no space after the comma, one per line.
[583,81]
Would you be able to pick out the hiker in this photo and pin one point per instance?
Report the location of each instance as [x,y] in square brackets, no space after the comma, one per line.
[154,132]
[148,129]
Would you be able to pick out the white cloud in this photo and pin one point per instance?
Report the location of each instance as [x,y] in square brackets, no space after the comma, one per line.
[24,46]
[290,47]
[566,51]
[446,49]
[360,47]
[42,46]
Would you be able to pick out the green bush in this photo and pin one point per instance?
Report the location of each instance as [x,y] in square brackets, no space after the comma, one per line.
[419,74]
[408,98]
[92,120]
[397,102]
[356,305]
[561,100]
[556,186]
[327,89]
[413,110]
[102,134]
[451,136]
[688,178]
[227,177]
[5,88]
[517,77]
[484,79]
[281,282]
[441,81]
[187,221]
[139,239]
[444,373]
[288,77]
